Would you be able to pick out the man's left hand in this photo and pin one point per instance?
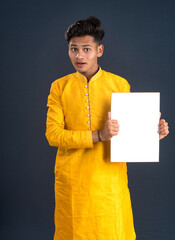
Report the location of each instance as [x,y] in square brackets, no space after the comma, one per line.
[163,129]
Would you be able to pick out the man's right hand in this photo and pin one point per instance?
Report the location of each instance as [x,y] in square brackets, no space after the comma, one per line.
[111,129]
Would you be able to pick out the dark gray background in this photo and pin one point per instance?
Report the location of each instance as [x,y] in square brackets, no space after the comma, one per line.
[139,46]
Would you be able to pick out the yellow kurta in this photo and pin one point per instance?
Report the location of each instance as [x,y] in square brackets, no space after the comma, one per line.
[92,199]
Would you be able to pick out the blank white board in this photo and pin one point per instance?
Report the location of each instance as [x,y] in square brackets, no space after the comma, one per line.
[138,116]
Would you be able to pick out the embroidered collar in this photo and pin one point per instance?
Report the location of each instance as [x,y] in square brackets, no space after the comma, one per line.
[96,76]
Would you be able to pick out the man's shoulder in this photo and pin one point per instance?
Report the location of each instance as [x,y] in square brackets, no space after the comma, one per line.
[62,81]
[114,77]
[65,78]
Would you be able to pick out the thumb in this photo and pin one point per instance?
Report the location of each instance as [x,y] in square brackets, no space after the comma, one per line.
[109,115]
[159,115]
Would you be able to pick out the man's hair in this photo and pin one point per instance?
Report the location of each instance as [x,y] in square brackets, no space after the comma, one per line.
[90,26]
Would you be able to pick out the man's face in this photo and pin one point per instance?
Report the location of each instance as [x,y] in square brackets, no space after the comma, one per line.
[83,53]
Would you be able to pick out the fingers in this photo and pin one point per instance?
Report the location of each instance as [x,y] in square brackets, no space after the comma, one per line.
[113,127]
[163,135]
[163,129]
[163,124]
[112,124]
[114,130]
[110,129]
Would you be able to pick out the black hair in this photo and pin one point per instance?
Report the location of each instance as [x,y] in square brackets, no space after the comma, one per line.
[90,26]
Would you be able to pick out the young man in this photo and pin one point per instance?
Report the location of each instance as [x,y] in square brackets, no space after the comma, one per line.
[92,199]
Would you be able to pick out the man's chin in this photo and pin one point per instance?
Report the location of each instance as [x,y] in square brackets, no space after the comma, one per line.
[80,70]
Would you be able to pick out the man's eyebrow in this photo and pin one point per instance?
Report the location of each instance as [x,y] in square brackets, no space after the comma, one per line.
[73,45]
[85,45]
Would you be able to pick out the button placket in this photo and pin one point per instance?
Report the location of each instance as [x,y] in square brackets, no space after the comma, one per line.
[88,107]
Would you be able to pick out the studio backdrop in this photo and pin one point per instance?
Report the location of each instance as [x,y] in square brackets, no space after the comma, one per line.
[139,45]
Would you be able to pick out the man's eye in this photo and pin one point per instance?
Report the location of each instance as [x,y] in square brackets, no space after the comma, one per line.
[74,49]
[87,49]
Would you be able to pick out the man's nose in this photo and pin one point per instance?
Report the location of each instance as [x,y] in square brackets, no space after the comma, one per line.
[79,54]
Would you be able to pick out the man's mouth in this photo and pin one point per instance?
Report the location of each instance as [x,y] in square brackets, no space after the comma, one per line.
[80,64]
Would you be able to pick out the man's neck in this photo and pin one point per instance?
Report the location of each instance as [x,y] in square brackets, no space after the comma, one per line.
[88,77]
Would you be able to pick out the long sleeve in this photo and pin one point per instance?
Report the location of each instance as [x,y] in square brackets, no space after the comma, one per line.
[55,133]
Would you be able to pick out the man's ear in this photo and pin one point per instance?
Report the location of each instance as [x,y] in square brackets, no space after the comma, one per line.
[100,50]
